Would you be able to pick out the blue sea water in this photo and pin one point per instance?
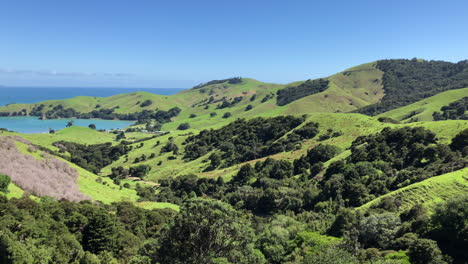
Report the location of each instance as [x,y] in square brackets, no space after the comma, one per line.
[32,124]
[27,95]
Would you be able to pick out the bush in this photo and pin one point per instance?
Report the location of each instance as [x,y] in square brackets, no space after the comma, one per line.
[146,103]
[227,115]
[183,126]
[213,114]
[249,107]
[192,116]
[4,182]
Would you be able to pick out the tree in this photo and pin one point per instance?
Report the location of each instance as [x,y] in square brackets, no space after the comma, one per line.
[146,103]
[460,141]
[245,173]
[227,115]
[424,251]
[70,123]
[92,126]
[120,136]
[4,182]
[322,153]
[183,126]
[451,227]
[215,160]
[100,234]
[379,230]
[206,230]
[249,107]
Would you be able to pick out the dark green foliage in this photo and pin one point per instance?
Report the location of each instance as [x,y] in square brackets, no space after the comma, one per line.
[65,232]
[242,140]
[308,131]
[92,157]
[293,93]
[267,97]
[235,80]
[453,111]
[450,227]
[205,231]
[227,115]
[254,96]
[379,230]
[386,161]
[100,232]
[92,126]
[192,116]
[423,251]
[213,114]
[388,120]
[59,111]
[408,81]
[460,142]
[4,182]
[120,135]
[215,160]
[183,126]
[139,171]
[170,147]
[322,153]
[249,107]
[146,103]
[226,103]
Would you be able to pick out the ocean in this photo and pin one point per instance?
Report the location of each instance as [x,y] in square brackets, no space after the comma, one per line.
[29,125]
[27,95]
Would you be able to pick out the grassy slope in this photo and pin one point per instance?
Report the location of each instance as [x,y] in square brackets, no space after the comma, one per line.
[428,192]
[106,192]
[426,107]
[352,126]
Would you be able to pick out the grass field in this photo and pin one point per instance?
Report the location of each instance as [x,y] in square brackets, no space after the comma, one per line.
[82,135]
[428,192]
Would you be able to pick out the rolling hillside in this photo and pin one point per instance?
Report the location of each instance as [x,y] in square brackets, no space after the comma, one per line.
[423,110]
[428,192]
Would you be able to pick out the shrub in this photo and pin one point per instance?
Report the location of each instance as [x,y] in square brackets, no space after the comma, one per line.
[227,115]
[146,103]
[4,182]
[213,114]
[192,116]
[249,107]
[183,126]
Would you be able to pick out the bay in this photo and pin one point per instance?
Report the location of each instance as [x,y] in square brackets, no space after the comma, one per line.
[31,124]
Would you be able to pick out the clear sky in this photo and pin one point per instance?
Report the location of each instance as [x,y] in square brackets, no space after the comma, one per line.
[175,43]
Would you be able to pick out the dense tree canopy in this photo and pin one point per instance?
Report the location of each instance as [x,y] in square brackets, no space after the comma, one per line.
[293,93]
[408,81]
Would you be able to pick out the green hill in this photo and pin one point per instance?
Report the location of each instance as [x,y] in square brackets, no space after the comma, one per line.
[428,192]
[423,110]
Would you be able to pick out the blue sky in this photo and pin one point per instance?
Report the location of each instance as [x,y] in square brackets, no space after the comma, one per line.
[181,43]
